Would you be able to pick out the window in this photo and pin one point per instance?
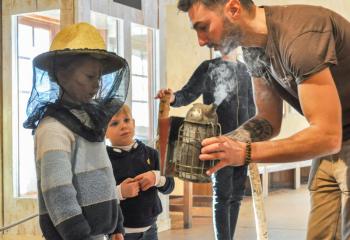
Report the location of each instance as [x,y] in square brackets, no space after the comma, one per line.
[33,34]
[142,45]
[143,80]
[111,30]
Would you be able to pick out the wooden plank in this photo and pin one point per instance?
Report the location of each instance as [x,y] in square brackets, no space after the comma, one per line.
[6,119]
[21,237]
[297,177]
[20,6]
[48,4]
[197,200]
[265,183]
[275,167]
[27,6]
[258,202]
[67,13]
[205,189]
[196,211]
[1,132]
[188,204]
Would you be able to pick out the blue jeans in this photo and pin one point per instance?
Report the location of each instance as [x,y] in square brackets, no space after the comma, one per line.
[150,234]
[228,190]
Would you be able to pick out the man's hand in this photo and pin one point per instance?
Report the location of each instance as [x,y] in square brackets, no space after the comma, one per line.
[117,236]
[146,180]
[129,188]
[162,92]
[227,150]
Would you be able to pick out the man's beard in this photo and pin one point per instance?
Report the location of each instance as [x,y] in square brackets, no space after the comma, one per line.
[231,37]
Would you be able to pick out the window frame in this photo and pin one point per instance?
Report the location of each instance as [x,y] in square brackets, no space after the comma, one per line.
[35,21]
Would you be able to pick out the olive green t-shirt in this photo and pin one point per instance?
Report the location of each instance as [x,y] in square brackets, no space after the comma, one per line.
[303,40]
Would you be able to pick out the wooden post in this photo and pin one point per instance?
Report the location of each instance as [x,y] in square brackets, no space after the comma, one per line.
[188,204]
[297,176]
[67,13]
[265,183]
[1,109]
[258,202]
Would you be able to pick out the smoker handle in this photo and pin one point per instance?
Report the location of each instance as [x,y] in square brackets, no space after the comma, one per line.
[163,129]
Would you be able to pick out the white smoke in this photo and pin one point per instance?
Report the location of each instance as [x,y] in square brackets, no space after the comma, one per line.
[224,78]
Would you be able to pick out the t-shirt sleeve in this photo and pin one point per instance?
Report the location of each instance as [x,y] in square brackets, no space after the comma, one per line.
[310,53]
[255,60]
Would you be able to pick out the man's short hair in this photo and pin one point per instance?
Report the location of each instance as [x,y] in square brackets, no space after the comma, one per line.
[185,5]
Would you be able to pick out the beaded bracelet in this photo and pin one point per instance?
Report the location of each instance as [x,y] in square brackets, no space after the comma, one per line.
[248,153]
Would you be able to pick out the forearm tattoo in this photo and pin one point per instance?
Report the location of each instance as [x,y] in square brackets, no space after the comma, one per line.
[255,130]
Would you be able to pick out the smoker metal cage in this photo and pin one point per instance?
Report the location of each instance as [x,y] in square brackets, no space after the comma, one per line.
[188,147]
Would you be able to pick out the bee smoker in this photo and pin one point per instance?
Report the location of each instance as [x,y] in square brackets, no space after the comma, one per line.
[200,122]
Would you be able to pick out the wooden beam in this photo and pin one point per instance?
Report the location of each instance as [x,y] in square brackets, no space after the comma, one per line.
[188,204]
[67,12]
[196,211]
[297,176]
[1,126]
[265,183]
[38,19]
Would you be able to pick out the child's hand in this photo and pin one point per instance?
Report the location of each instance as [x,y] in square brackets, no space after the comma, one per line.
[117,236]
[129,188]
[146,180]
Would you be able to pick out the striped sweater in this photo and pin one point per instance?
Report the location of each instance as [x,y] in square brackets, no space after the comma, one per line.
[76,187]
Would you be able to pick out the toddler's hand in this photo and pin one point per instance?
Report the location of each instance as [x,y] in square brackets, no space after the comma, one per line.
[117,236]
[146,180]
[129,188]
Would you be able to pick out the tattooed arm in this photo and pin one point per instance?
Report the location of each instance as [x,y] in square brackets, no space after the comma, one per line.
[254,130]
[267,122]
[230,149]
[322,137]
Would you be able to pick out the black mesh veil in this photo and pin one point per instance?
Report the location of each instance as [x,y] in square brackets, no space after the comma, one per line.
[88,120]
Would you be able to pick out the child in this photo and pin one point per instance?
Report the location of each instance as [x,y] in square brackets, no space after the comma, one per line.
[73,98]
[136,171]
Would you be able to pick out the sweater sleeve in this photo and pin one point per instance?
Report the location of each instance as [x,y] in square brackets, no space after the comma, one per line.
[120,223]
[193,88]
[53,144]
[169,184]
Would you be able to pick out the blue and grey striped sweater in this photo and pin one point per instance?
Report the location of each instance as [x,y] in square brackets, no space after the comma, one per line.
[76,187]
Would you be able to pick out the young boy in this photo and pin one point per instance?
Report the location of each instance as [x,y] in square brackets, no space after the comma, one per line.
[74,96]
[136,171]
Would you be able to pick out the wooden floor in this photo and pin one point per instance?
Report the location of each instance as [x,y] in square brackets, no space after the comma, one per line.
[8,237]
[286,212]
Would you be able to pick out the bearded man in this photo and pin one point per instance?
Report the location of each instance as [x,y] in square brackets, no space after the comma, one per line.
[299,54]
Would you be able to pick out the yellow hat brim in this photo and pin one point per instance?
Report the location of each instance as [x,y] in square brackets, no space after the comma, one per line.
[110,61]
